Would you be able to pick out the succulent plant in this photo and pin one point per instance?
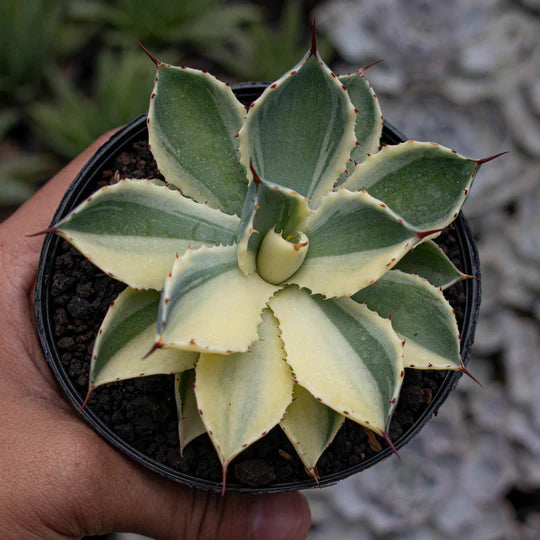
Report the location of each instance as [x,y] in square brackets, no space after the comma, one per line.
[286,274]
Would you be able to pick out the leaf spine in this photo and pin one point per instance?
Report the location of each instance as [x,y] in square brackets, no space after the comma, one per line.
[154,348]
[44,231]
[390,444]
[150,55]
[485,160]
[365,68]
[91,388]
[463,369]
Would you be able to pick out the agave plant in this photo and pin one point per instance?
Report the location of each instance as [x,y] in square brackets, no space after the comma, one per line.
[278,288]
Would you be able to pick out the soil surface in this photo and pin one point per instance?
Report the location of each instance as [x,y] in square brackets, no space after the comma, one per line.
[142,411]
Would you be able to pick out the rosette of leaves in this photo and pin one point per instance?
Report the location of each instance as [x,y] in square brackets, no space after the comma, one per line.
[275,294]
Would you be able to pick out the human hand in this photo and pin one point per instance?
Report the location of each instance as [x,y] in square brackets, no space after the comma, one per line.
[59,478]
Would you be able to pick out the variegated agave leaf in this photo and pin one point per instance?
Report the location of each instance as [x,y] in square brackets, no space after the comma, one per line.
[310,426]
[300,132]
[425,184]
[353,240]
[369,121]
[126,334]
[209,305]
[429,261]
[420,315]
[190,425]
[244,395]
[134,229]
[346,356]
[197,151]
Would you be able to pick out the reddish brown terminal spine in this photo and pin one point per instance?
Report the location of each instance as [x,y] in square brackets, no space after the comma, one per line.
[150,55]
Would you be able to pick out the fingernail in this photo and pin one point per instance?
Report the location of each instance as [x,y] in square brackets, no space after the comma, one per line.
[283,516]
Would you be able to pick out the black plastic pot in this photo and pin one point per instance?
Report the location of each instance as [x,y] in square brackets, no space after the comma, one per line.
[85,183]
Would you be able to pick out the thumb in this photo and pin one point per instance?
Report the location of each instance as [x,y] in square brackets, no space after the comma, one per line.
[145,503]
[194,514]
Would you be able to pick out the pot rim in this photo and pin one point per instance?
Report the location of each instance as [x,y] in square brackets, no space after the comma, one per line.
[81,187]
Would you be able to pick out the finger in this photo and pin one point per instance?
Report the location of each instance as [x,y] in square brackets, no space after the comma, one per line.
[35,215]
[91,489]
[196,514]
[127,498]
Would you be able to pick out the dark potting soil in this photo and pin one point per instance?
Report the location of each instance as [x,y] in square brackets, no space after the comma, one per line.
[142,411]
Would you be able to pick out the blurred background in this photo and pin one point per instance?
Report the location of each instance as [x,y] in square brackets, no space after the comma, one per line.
[463,73]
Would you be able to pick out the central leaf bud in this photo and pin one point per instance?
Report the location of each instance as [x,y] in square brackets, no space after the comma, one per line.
[279,258]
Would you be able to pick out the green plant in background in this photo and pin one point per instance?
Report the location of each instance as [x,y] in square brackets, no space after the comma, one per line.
[19,172]
[76,120]
[27,45]
[33,33]
[204,25]
[271,292]
[270,51]
[34,36]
